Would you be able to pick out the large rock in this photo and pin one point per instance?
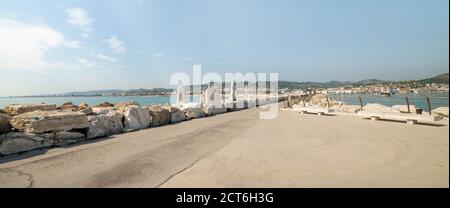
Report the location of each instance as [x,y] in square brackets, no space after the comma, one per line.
[4,123]
[19,109]
[63,137]
[102,110]
[441,111]
[213,110]
[193,110]
[48,121]
[15,142]
[235,105]
[105,104]
[320,100]
[107,123]
[86,111]
[122,106]
[159,115]
[66,106]
[176,114]
[250,103]
[136,118]
[375,107]
[75,108]
[347,108]
[404,108]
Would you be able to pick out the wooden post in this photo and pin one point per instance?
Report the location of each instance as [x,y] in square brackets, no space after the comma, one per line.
[306,88]
[328,102]
[407,103]
[289,101]
[429,105]
[360,102]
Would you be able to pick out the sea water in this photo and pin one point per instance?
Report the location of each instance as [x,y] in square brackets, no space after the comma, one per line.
[418,100]
[94,100]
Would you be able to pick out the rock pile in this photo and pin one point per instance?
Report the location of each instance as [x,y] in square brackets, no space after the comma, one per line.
[122,106]
[105,104]
[375,107]
[84,108]
[48,121]
[29,127]
[19,109]
[347,108]
[323,101]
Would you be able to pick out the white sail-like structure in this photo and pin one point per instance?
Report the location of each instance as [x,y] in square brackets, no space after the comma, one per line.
[211,97]
[233,91]
[180,94]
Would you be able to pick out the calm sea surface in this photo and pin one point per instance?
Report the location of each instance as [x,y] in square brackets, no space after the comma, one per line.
[419,100]
[142,100]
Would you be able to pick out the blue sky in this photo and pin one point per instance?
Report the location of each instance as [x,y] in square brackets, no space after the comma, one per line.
[56,46]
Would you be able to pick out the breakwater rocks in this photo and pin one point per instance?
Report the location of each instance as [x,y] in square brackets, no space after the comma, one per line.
[29,127]
[323,101]
[49,121]
[19,109]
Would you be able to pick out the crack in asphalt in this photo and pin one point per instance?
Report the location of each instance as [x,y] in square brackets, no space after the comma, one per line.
[22,173]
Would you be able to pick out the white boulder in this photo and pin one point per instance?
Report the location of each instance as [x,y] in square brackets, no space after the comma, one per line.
[136,118]
[441,111]
[193,110]
[347,108]
[375,107]
[107,123]
[404,108]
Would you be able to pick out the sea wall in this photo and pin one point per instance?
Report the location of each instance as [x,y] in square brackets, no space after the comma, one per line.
[30,127]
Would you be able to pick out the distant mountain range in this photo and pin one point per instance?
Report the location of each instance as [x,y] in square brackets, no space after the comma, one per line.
[439,79]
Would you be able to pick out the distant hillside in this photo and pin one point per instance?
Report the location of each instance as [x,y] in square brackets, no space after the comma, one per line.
[439,79]
[90,93]
[330,84]
[154,91]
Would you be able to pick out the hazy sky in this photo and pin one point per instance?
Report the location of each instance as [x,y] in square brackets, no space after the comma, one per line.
[51,46]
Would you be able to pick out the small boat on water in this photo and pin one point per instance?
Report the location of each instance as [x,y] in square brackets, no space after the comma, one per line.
[385,94]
